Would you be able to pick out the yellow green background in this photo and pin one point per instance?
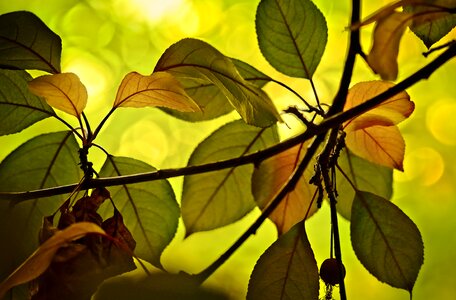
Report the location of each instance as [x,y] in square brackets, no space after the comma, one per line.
[105,39]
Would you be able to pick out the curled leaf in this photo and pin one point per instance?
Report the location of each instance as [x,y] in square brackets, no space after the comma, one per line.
[159,89]
[388,32]
[62,91]
[40,260]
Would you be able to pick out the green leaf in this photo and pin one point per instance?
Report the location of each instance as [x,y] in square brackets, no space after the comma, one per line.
[212,98]
[150,210]
[432,22]
[386,241]
[366,176]
[219,198]
[199,67]
[292,35]
[45,161]
[27,43]
[287,270]
[19,108]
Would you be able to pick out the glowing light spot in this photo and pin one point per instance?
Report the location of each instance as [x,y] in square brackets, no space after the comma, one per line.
[154,10]
[440,121]
[424,165]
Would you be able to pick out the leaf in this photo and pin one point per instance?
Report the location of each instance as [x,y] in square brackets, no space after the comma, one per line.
[158,89]
[45,161]
[373,135]
[271,175]
[386,241]
[18,107]
[27,43]
[149,209]
[62,91]
[196,64]
[379,144]
[366,176]
[292,35]
[219,198]
[211,99]
[390,112]
[287,270]
[40,260]
[388,32]
[431,22]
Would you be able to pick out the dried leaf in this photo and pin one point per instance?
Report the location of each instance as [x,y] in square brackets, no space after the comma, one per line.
[287,270]
[62,91]
[159,89]
[388,32]
[383,145]
[40,260]
[271,175]
[386,241]
[390,112]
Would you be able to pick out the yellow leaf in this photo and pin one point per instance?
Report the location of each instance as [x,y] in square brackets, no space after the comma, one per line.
[383,145]
[159,89]
[387,35]
[271,175]
[62,91]
[40,260]
[390,112]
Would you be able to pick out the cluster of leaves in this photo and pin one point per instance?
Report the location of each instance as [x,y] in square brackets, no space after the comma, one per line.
[193,81]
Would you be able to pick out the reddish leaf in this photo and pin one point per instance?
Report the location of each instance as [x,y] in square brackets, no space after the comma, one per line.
[270,176]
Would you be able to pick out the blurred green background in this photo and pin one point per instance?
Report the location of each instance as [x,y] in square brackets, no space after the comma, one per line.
[105,39]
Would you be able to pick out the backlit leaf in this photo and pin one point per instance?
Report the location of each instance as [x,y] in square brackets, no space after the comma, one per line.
[150,210]
[27,43]
[292,35]
[432,22]
[386,241]
[211,99]
[197,64]
[366,176]
[388,32]
[383,145]
[219,198]
[62,91]
[19,108]
[40,260]
[390,112]
[45,161]
[271,175]
[287,270]
[159,89]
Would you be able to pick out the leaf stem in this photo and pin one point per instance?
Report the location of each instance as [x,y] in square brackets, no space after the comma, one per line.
[100,126]
[319,110]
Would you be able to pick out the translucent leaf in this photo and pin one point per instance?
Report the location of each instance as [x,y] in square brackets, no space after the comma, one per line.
[150,210]
[383,145]
[388,32]
[432,22]
[27,43]
[390,112]
[287,270]
[44,161]
[197,64]
[366,176]
[159,89]
[211,99]
[292,35]
[40,260]
[271,175]
[62,91]
[19,108]
[386,241]
[219,198]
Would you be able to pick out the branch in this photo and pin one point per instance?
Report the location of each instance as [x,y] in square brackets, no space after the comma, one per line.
[333,120]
